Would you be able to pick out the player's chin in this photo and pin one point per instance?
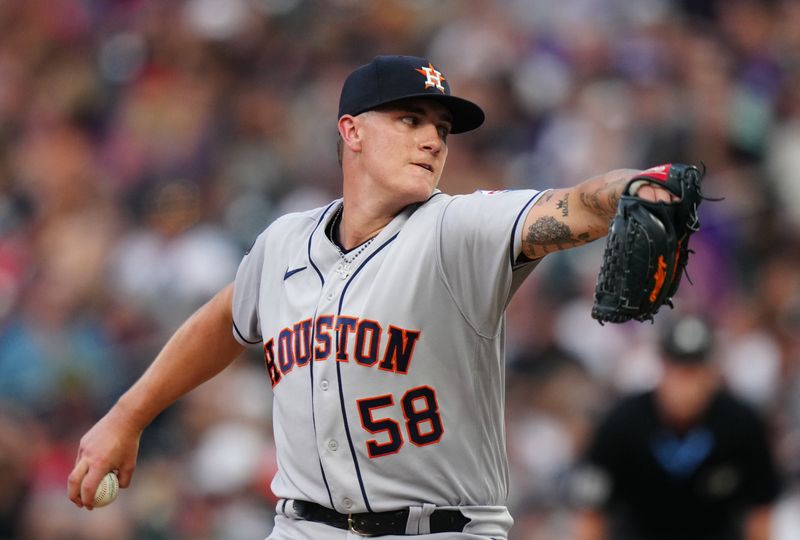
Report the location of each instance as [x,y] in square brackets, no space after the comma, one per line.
[418,192]
[422,182]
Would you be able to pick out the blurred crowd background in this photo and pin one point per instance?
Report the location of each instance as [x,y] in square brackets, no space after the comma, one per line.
[144,144]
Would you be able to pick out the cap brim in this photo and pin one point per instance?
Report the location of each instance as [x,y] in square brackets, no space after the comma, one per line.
[466,114]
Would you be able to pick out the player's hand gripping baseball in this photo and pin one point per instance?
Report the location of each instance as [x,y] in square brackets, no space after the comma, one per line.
[112,444]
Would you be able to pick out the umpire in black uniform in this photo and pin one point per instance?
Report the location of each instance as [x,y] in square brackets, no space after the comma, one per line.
[684,461]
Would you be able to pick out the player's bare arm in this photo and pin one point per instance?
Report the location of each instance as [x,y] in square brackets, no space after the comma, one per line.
[202,347]
[570,217]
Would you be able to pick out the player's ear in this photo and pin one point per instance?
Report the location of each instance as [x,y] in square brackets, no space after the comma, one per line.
[350,133]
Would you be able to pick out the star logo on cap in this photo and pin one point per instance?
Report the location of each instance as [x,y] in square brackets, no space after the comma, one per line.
[433,78]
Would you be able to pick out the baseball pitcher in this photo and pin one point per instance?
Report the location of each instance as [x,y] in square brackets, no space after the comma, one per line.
[381,320]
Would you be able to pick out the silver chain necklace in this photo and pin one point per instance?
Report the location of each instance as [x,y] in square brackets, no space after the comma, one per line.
[345,265]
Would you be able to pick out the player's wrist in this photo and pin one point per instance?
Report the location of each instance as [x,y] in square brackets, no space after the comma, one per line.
[131,414]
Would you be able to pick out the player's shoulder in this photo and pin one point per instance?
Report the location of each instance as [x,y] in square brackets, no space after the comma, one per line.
[484,198]
[497,209]
[304,217]
[299,221]
[288,227]
[482,194]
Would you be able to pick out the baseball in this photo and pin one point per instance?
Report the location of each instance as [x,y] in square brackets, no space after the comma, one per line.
[107,490]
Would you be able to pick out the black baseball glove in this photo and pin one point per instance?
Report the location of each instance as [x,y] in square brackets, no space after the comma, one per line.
[647,248]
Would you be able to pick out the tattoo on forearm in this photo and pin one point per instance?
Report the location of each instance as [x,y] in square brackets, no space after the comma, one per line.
[605,198]
[547,235]
[613,199]
[548,231]
[563,205]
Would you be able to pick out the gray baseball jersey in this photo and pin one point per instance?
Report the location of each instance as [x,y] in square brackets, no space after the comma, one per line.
[388,374]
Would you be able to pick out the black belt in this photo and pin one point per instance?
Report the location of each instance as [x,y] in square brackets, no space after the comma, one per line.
[378,523]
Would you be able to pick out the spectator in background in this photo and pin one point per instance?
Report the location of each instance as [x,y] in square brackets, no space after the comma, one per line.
[687,460]
[163,261]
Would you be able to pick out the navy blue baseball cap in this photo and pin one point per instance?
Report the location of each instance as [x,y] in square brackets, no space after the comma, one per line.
[387,79]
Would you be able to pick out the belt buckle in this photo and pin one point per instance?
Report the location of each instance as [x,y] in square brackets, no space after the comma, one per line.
[351,526]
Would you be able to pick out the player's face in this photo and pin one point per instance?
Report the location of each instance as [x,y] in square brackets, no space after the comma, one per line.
[405,147]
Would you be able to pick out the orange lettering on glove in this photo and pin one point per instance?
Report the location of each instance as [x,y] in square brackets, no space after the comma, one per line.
[659,277]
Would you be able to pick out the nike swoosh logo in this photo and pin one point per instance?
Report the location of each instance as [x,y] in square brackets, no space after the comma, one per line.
[290,273]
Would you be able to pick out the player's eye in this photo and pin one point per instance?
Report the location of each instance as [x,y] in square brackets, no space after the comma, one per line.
[411,120]
[443,131]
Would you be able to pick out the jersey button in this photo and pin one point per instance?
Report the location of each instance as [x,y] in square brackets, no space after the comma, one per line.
[324,385]
[333,446]
[347,503]
[329,296]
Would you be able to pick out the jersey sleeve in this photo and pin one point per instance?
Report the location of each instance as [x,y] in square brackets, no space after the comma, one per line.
[480,248]
[246,293]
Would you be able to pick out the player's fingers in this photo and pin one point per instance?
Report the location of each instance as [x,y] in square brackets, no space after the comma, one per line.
[74,481]
[659,195]
[665,195]
[125,474]
[648,193]
[656,194]
[89,485]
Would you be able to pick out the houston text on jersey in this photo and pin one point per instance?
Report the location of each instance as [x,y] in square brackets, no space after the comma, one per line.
[347,338]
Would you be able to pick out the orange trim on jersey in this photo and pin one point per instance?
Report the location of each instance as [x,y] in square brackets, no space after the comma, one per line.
[303,335]
[323,337]
[399,349]
[286,350]
[434,419]
[345,326]
[375,343]
[374,448]
[269,360]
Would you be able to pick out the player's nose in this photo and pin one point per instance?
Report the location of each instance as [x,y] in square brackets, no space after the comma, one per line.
[430,140]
